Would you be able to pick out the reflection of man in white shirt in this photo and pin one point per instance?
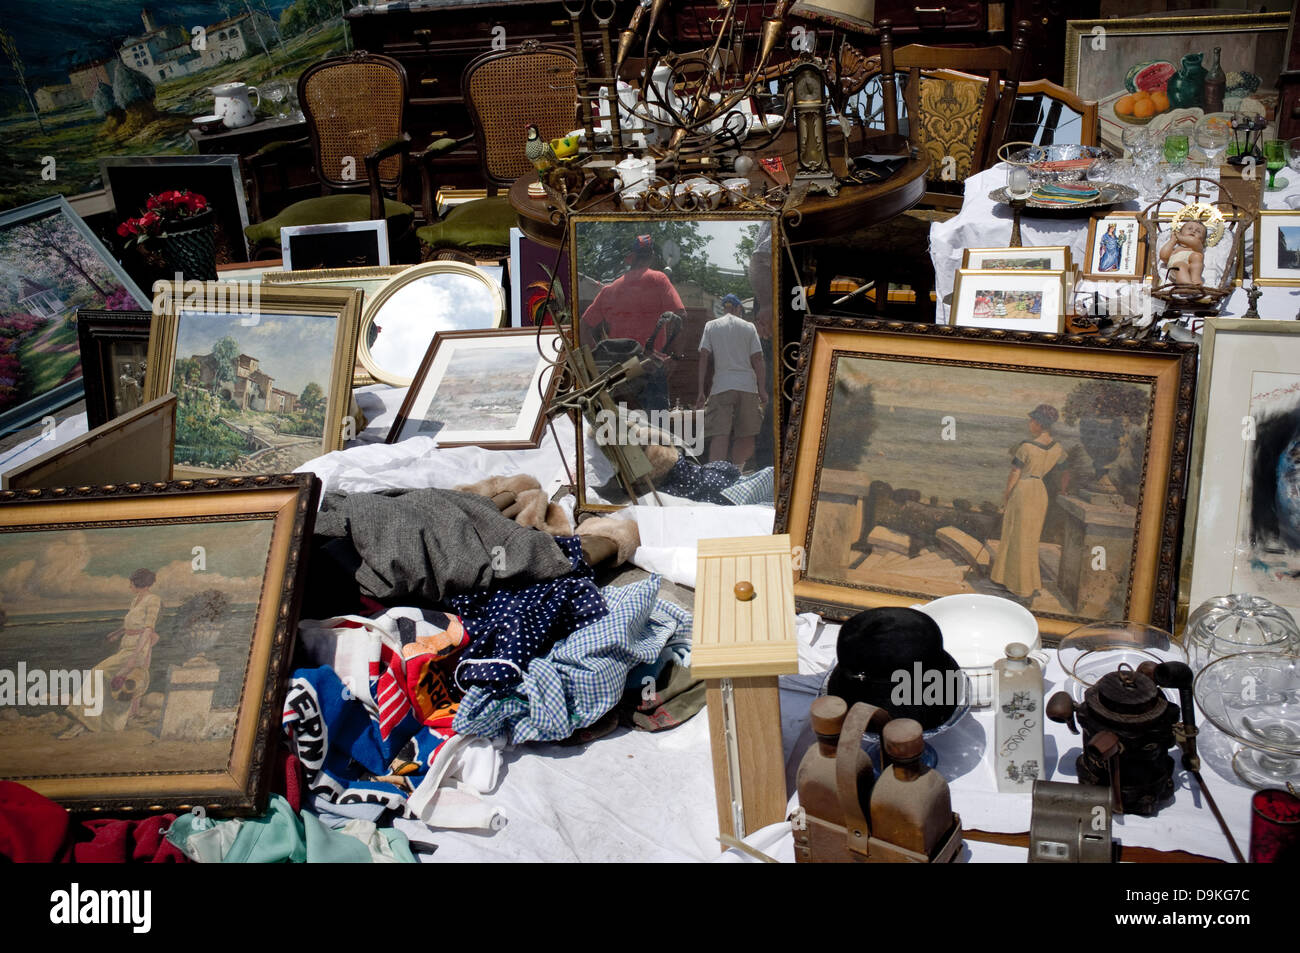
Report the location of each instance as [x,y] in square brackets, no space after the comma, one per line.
[733,412]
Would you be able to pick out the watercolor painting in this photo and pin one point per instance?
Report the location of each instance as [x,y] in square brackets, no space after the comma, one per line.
[1050,467]
[157,650]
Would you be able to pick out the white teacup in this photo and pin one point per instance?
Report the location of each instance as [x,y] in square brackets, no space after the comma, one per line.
[736,188]
[976,631]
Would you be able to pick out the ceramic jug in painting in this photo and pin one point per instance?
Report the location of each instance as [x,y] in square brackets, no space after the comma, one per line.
[1187,86]
[232,104]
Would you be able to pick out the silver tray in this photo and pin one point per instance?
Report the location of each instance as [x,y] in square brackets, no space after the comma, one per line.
[1057,153]
[1111,193]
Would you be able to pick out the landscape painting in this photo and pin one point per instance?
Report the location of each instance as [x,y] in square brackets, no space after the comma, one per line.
[50,266]
[937,479]
[252,390]
[81,79]
[1266,560]
[156,649]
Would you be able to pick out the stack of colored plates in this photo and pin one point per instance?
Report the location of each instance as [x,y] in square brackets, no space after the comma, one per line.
[1065,194]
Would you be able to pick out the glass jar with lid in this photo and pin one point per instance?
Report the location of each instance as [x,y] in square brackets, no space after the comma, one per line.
[1240,622]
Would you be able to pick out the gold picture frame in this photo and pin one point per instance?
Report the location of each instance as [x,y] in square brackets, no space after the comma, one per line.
[1059,258]
[179,705]
[903,437]
[1007,298]
[231,418]
[1092,263]
[1268,231]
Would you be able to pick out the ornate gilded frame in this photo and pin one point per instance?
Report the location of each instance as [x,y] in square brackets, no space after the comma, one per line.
[1169,367]
[289,503]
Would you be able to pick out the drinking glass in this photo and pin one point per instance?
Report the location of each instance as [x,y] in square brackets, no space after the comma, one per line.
[1213,143]
[1133,137]
[1176,150]
[1293,154]
[1018,184]
[276,93]
[1274,159]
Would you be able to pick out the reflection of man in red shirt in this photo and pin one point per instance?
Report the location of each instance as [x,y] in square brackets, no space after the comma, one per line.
[630,306]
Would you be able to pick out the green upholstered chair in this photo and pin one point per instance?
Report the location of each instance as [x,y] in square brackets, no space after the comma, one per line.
[354,106]
[504,92]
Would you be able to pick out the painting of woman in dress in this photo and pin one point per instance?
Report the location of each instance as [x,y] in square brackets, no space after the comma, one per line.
[983,306]
[1112,247]
[1025,506]
[126,671]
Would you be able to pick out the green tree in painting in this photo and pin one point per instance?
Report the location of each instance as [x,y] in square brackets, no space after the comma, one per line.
[312,400]
[187,370]
[225,355]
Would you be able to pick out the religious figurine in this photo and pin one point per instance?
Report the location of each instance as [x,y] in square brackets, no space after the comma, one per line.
[1252,296]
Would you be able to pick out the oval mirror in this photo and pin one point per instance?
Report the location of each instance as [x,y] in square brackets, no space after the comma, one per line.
[401,319]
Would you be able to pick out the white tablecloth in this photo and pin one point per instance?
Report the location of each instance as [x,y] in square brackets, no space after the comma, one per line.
[982,223]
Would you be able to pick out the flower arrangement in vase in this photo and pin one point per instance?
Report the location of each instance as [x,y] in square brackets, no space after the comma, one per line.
[181,222]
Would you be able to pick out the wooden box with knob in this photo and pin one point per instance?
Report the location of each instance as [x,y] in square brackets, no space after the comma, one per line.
[744,639]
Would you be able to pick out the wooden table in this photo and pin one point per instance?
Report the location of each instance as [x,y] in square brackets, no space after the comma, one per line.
[823,217]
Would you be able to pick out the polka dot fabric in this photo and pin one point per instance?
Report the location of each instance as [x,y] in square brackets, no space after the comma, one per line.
[509,627]
[702,483]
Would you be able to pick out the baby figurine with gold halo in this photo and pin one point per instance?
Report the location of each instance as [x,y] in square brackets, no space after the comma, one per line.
[1184,254]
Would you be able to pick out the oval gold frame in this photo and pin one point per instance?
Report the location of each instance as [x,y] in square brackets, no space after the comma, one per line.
[398,282]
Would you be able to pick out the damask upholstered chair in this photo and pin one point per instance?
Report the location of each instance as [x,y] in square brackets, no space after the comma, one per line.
[355,108]
[504,92]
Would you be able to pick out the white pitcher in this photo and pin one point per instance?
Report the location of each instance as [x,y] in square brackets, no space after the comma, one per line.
[232,105]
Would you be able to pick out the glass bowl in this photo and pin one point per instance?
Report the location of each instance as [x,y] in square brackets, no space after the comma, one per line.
[1254,698]
[1097,649]
[1230,625]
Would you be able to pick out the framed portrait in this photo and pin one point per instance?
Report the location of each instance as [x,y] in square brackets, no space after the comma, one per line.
[1014,300]
[401,318]
[1277,248]
[336,245]
[1242,531]
[691,296]
[1148,70]
[51,264]
[1045,258]
[927,461]
[1116,248]
[262,386]
[538,279]
[114,359]
[133,447]
[130,180]
[482,388]
[149,684]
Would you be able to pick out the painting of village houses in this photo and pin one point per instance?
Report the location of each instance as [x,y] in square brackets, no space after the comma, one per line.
[252,392]
[159,650]
[80,79]
[1034,496]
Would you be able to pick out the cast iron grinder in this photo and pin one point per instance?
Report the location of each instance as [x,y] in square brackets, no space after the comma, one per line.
[1128,729]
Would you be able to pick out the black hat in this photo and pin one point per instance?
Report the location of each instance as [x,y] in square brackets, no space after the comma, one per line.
[878,654]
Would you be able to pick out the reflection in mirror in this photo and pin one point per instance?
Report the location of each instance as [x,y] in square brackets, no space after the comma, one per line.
[675,314]
[401,320]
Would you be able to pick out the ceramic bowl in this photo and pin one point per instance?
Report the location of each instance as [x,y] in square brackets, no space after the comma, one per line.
[976,632]
[208,123]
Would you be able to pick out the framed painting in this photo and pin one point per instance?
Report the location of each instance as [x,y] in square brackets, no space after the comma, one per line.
[691,296]
[51,264]
[261,387]
[146,637]
[1014,300]
[114,356]
[1044,258]
[130,180]
[1242,532]
[1277,248]
[538,276]
[1116,248]
[1150,71]
[927,461]
[336,245]
[482,388]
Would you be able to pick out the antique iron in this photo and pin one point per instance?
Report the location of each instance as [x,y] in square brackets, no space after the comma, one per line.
[1128,729]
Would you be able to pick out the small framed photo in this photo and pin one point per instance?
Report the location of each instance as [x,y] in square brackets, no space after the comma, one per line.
[1013,300]
[337,245]
[538,276]
[114,358]
[482,388]
[160,685]
[262,386]
[1277,248]
[1116,247]
[1045,258]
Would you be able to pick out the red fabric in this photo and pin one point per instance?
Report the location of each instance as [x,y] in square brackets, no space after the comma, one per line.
[113,841]
[632,304]
[33,829]
[288,779]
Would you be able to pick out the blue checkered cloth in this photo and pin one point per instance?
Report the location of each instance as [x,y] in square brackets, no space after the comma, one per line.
[759,488]
[584,675]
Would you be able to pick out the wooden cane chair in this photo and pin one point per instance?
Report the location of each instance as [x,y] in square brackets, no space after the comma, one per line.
[355,107]
[504,92]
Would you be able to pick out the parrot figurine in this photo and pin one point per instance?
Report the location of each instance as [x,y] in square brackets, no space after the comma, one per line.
[539,153]
[566,147]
